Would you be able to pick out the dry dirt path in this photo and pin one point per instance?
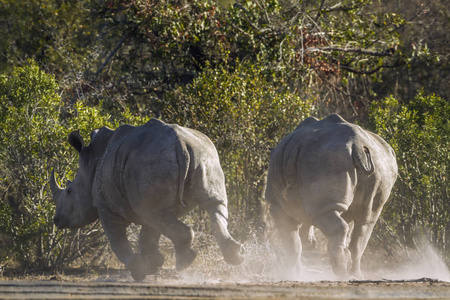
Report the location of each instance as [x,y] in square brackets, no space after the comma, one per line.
[53,289]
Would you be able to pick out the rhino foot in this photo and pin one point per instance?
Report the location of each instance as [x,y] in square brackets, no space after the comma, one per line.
[138,267]
[339,263]
[356,274]
[233,252]
[185,258]
[154,262]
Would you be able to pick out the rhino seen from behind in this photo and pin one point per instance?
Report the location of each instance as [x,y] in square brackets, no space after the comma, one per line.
[149,175]
[334,176]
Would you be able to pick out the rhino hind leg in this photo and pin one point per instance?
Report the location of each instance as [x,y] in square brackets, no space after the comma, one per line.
[336,229]
[149,249]
[288,229]
[233,252]
[358,243]
[181,236]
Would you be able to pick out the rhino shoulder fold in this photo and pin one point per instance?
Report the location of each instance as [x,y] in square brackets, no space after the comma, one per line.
[334,118]
[307,122]
[102,133]
[311,123]
[155,122]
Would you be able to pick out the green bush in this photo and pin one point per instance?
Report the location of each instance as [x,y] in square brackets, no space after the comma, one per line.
[239,109]
[245,111]
[419,132]
[34,125]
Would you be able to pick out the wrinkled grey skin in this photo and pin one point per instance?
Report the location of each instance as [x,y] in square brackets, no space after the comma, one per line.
[335,176]
[148,175]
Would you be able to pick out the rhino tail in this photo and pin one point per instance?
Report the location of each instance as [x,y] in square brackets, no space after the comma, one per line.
[183,163]
[363,159]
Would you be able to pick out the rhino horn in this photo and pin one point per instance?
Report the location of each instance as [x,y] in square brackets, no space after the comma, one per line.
[54,187]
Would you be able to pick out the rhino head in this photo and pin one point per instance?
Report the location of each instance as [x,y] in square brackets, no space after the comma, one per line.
[74,204]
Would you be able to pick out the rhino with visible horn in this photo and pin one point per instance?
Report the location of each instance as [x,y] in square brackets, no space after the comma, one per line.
[149,175]
[334,176]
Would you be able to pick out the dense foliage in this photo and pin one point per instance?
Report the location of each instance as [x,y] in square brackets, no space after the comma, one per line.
[245,115]
[34,126]
[243,72]
[419,132]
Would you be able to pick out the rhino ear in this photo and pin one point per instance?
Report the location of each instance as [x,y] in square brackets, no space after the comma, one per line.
[76,140]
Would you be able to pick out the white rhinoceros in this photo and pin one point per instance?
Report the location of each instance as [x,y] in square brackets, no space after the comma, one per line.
[148,175]
[335,176]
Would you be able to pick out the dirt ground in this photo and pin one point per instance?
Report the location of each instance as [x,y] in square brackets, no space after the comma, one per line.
[119,285]
[260,276]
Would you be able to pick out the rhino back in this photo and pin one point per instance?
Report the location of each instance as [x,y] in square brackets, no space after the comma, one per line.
[142,172]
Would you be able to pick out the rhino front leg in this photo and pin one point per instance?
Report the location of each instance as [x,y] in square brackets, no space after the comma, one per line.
[307,237]
[149,248]
[232,251]
[288,228]
[115,229]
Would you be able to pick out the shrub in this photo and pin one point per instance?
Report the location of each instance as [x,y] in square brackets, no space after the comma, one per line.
[34,125]
[419,132]
[245,111]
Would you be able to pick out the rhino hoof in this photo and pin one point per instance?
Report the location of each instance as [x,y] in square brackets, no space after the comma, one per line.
[154,262]
[357,275]
[137,267]
[185,258]
[234,253]
[339,262]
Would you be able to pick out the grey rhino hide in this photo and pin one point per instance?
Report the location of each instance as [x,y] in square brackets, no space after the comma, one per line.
[335,176]
[148,175]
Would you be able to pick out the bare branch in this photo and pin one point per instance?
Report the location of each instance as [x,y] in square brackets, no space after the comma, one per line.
[110,55]
[337,7]
[386,52]
[319,11]
[370,72]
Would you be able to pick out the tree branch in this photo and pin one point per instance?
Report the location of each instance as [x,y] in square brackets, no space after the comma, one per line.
[386,52]
[110,56]
[319,11]
[362,72]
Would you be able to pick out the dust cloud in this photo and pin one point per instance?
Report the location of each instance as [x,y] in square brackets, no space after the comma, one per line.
[424,261]
[264,263]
